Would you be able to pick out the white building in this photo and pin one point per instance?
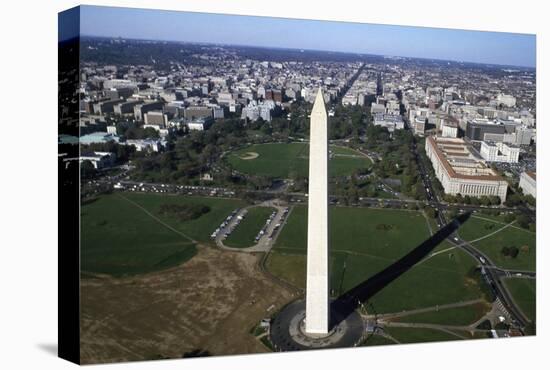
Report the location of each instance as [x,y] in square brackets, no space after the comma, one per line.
[153,145]
[528,183]
[255,110]
[199,124]
[390,121]
[507,100]
[377,108]
[460,172]
[449,129]
[99,159]
[499,152]
[349,99]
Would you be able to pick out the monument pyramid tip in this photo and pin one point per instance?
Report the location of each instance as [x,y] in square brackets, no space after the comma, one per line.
[319,100]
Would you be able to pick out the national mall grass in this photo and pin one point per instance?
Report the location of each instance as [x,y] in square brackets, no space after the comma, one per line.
[120,238]
[281,160]
[460,316]
[511,236]
[524,294]
[365,241]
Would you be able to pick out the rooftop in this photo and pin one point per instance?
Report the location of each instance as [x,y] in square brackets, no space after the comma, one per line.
[459,161]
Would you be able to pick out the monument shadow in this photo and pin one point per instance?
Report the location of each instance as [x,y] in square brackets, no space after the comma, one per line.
[349,301]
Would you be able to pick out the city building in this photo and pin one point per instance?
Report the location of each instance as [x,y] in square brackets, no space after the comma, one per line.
[99,137]
[141,109]
[99,159]
[449,129]
[158,118]
[197,111]
[126,107]
[499,152]
[461,172]
[255,110]
[528,183]
[390,121]
[419,125]
[506,100]
[199,124]
[477,129]
[377,108]
[147,145]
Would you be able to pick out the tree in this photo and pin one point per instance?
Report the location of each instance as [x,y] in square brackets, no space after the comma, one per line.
[353,196]
[523,221]
[430,212]
[509,218]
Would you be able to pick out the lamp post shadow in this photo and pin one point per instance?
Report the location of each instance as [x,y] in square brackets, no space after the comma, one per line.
[348,302]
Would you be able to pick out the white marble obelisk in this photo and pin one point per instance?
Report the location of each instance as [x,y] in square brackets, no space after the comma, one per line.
[317,286]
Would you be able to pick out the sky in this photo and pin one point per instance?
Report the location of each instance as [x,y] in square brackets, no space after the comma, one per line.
[432,43]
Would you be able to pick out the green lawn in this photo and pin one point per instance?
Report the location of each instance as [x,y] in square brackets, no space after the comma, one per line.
[280,160]
[419,335]
[524,240]
[119,238]
[290,267]
[465,315]
[524,293]
[244,234]
[365,241]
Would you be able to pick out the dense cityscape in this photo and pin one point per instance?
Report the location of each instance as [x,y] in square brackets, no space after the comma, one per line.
[205,142]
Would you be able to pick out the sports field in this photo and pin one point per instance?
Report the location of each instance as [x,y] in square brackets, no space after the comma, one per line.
[512,236]
[125,234]
[365,241]
[244,234]
[280,160]
[524,293]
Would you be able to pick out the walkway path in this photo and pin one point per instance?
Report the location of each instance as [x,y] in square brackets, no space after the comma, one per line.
[394,315]
[502,223]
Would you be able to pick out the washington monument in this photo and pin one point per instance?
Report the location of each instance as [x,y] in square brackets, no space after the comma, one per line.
[317,318]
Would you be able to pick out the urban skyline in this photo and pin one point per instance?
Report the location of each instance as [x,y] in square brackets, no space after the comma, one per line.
[468,46]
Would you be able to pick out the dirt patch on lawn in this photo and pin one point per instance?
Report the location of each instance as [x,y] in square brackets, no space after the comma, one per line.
[209,304]
[249,155]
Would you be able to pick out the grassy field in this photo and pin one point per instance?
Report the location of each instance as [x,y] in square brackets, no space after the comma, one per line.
[465,315]
[120,238]
[244,234]
[523,239]
[524,293]
[280,160]
[364,242]
[417,335]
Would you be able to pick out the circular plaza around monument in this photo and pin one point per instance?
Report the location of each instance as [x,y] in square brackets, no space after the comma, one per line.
[287,330]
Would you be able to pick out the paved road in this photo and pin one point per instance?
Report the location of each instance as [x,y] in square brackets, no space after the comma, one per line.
[268,239]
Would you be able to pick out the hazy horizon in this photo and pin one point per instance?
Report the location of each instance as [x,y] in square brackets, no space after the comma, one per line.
[483,47]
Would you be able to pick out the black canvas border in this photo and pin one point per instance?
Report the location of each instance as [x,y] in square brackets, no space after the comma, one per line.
[69,185]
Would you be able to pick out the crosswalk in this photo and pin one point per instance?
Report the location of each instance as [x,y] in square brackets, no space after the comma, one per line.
[498,303]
